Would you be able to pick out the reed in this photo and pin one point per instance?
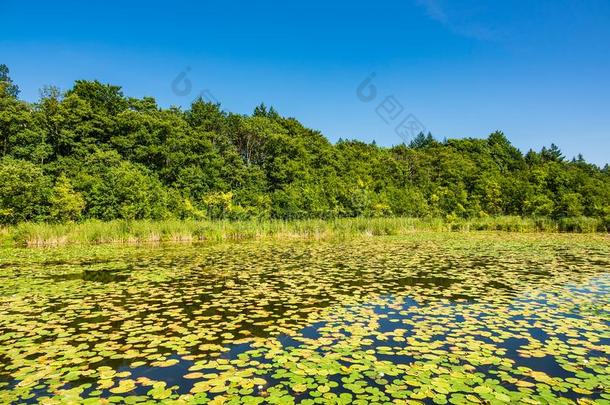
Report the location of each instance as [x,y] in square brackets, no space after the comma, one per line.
[173,230]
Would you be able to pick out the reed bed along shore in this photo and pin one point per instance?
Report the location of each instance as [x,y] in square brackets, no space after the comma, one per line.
[122,231]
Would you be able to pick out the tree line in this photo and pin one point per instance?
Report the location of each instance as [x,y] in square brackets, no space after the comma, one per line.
[92,152]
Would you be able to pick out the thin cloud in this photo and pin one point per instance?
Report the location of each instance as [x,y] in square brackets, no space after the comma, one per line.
[459,21]
[434,10]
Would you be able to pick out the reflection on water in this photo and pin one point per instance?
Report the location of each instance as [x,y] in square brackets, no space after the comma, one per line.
[428,318]
[100,276]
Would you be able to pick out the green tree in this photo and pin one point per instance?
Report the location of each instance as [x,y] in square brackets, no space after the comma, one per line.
[6,83]
[130,158]
[24,192]
[114,188]
[19,134]
[65,203]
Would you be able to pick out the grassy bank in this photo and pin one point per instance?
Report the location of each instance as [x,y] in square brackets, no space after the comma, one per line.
[97,232]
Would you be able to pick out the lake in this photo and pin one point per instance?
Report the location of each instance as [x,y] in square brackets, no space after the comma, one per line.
[423,318]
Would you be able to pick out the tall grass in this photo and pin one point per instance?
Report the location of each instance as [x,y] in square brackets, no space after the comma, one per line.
[121,231]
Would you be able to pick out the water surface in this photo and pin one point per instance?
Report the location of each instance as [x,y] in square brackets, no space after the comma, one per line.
[434,318]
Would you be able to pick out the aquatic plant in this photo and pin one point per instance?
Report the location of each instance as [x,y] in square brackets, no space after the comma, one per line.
[428,317]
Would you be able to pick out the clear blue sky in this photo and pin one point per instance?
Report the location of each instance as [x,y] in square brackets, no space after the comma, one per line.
[538,70]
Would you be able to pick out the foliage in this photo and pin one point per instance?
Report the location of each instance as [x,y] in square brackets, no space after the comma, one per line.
[23,191]
[66,204]
[114,157]
[6,83]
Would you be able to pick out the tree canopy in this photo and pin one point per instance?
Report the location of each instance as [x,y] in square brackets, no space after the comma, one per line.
[92,152]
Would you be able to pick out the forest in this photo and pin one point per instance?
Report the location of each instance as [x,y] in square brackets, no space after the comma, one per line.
[92,152]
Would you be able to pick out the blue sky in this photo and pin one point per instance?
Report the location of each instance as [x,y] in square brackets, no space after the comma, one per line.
[538,70]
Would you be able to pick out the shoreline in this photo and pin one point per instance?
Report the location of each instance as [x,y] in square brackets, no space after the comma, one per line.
[93,232]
